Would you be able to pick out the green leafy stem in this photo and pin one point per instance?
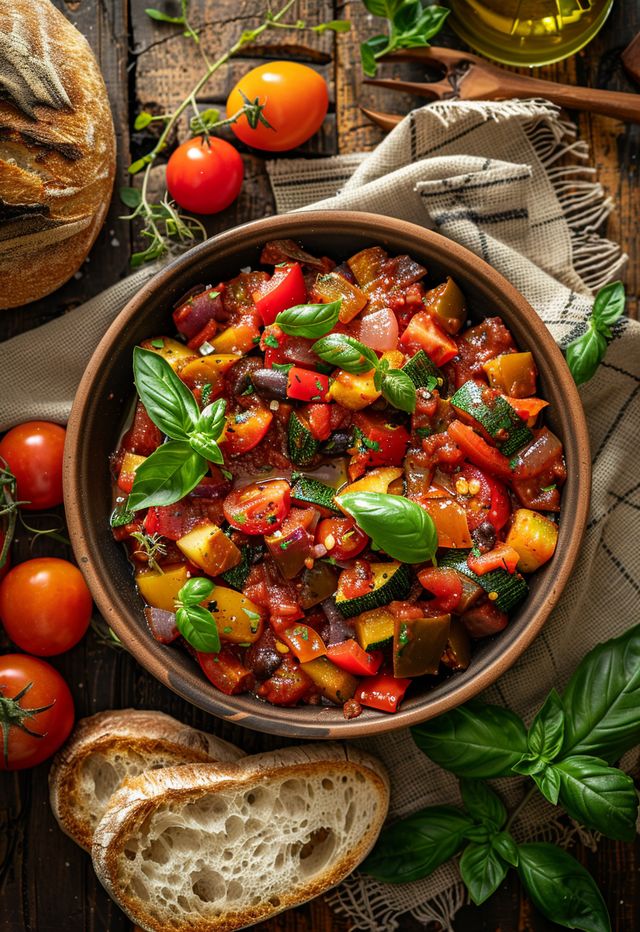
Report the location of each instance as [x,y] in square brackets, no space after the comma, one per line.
[568,751]
[409,25]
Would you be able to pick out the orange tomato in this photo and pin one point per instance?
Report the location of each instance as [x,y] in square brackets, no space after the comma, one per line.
[295,103]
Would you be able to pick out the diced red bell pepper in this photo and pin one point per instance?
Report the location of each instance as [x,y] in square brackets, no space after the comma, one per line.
[143,437]
[306,385]
[351,657]
[527,408]
[207,333]
[285,289]
[318,417]
[502,557]
[377,442]
[445,584]
[274,355]
[424,333]
[226,672]
[304,642]
[383,692]
[478,450]
[246,429]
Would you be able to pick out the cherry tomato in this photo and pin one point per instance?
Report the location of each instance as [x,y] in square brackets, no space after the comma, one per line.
[205,176]
[348,540]
[33,452]
[45,605]
[44,689]
[295,103]
[489,503]
[258,508]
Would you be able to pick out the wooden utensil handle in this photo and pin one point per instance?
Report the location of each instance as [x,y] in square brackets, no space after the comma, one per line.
[611,103]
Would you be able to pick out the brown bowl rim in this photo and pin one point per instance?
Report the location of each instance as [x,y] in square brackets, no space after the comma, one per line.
[315,722]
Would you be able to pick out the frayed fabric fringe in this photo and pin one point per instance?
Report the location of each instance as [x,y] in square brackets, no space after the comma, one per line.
[371,912]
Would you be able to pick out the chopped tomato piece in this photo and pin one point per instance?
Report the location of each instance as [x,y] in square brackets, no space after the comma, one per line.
[502,557]
[483,620]
[351,657]
[258,508]
[342,537]
[177,520]
[285,289]
[318,417]
[383,692]
[478,450]
[377,442]
[245,430]
[306,385]
[143,437]
[483,497]
[226,672]
[288,686]
[445,584]
[356,580]
[424,333]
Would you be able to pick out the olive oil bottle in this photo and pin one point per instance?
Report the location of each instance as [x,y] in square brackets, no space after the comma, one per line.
[527,32]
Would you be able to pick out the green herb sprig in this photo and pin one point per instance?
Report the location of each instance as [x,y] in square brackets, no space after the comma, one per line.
[585,354]
[409,25]
[568,751]
[176,467]
[395,524]
[349,354]
[194,622]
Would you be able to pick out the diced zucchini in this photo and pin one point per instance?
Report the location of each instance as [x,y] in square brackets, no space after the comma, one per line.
[390,581]
[160,589]
[418,645]
[497,417]
[534,537]
[237,618]
[510,588]
[423,373]
[173,352]
[335,684]
[308,491]
[302,444]
[236,577]
[209,548]
[374,629]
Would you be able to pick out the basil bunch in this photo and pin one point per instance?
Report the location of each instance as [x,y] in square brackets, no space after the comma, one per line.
[410,25]
[568,751]
[309,320]
[395,524]
[338,349]
[585,354]
[176,467]
[194,622]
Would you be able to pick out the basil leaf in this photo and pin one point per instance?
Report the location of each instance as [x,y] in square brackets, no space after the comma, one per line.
[414,847]
[548,782]
[474,740]
[197,627]
[334,25]
[585,354]
[483,804]
[529,764]
[482,871]
[169,403]
[376,45]
[399,390]
[547,729]
[206,447]
[387,9]
[609,304]
[194,591]
[407,16]
[600,797]
[209,427]
[561,888]
[166,476]
[309,320]
[602,700]
[506,847]
[396,525]
[338,349]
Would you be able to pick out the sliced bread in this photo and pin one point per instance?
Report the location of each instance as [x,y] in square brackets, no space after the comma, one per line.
[105,748]
[207,847]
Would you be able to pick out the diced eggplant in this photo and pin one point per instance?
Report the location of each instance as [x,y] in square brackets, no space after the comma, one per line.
[241,374]
[338,443]
[270,383]
[339,628]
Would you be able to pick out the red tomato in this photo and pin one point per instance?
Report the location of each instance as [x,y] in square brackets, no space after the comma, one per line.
[245,430]
[204,176]
[45,605]
[424,333]
[259,508]
[490,503]
[445,584]
[295,103]
[43,689]
[348,540]
[356,580]
[33,452]
[285,289]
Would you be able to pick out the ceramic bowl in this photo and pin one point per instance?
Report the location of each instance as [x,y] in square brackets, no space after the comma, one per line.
[104,396]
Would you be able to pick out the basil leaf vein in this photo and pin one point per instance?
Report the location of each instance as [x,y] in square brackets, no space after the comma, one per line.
[482,803]
[398,389]
[601,797]
[482,870]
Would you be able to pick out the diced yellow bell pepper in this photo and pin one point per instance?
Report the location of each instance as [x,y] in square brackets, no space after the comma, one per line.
[161,589]
[207,547]
[376,480]
[237,618]
[334,287]
[130,462]
[208,369]
[175,353]
[534,537]
[450,520]
[237,340]
[358,391]
[513,374]
[334,684]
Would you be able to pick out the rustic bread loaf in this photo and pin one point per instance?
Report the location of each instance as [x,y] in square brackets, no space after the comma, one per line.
[57,150]
[207,847]
[108,747]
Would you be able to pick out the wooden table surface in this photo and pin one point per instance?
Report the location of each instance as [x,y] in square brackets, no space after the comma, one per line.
[46,883]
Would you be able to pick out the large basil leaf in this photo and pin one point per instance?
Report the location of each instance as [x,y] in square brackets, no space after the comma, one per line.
[561,888]
[482,870]
[474,740]
[309,320]
[396,525]
[169,403]
[602,700]
[170,473]
[585,354]
[415,846]
[483,804]
[340,350]
[600,797]
[547,729]
[197,626]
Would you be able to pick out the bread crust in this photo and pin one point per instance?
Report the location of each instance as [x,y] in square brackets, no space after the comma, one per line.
[148,734]
[57,150]
[139,797]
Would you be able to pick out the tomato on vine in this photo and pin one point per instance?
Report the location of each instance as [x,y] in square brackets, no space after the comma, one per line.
[294,101]
[36,711]
[33,454]
[204,175]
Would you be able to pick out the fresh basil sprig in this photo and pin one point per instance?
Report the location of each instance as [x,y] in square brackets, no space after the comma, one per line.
[194,622]
[176,467]
[410,25]
[585,354]
[349,354]
[400,527]
[309,320]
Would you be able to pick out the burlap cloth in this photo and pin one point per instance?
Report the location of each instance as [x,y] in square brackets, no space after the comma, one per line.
[509,182]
